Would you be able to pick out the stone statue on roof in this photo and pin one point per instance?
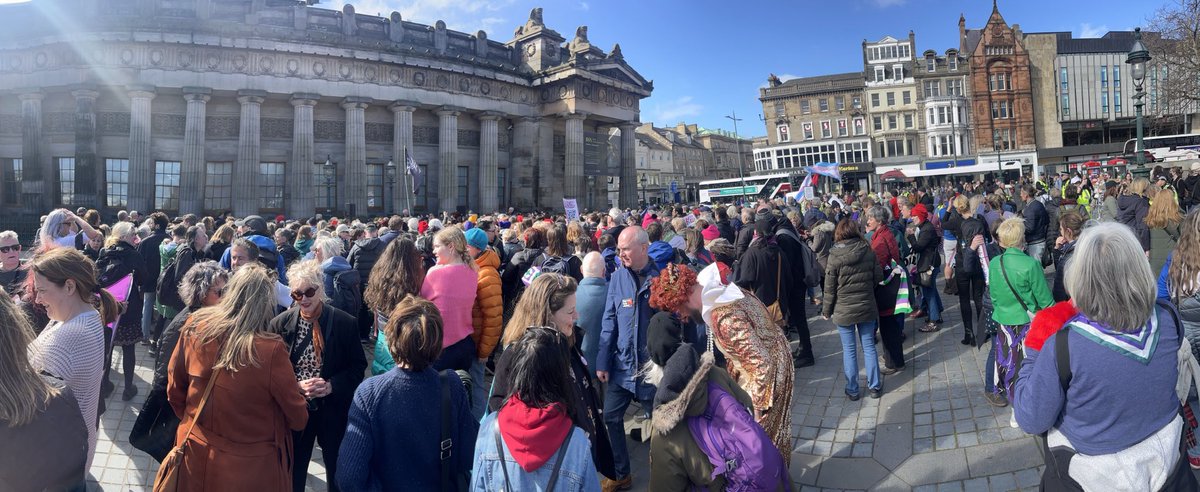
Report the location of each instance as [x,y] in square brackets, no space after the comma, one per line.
[773,80]
[580,43]
[534,23]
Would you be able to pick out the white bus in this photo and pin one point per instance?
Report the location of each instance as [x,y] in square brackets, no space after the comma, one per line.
[1167,147]
[729,190]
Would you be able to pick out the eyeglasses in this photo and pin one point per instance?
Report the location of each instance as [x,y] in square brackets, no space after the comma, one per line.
[7,249]
[310,292]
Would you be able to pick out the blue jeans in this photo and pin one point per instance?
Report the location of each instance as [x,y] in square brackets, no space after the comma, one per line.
[866,334]
[148,299]
[616,401]
[479,389]
[931,300]
[989,377]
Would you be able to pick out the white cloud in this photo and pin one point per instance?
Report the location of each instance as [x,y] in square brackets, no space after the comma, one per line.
[674,111]
[883,4]
[1086,30]
[489,15]
[584,6]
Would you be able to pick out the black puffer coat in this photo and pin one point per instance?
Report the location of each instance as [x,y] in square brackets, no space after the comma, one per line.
[850,279]
[1131,211]
[115,263]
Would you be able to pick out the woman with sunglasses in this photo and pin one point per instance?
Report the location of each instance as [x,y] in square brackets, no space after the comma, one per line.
[12,271]
[329,364]
[202,286]
[550,301]
[241,438]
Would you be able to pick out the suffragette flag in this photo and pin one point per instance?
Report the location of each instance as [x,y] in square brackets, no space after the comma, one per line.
[825,169]
[414,170]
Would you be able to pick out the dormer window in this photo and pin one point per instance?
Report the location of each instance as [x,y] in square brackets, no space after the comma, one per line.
[930,64]
[952,61]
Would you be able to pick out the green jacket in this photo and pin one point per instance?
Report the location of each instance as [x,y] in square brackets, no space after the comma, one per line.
[1027,279]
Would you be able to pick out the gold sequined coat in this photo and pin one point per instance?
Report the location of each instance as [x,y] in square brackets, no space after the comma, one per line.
[760,362]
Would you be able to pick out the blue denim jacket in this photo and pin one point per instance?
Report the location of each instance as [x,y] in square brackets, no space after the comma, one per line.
[577,473]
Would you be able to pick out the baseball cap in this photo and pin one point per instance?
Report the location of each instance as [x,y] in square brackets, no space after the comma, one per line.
[254,222]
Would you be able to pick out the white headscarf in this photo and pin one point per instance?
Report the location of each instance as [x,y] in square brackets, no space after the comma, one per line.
[714,293]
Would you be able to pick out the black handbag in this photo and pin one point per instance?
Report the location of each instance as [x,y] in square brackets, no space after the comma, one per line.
[451,481]
[154,430]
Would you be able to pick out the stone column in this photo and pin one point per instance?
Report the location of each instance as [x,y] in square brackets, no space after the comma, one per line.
[489,148]
[402,142]
[192,168]
[549,194]
[37,176]
[573,170]
[448,160]
[141,163]
[301,190]
[246,196]
[355,168]
[628,193]
[522,163]
[89,177]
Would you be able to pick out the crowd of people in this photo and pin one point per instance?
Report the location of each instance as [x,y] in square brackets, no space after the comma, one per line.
[505,351]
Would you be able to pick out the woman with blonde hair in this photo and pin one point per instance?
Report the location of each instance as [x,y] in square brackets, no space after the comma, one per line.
[71,347]
[242,436]
[451,285]
[219,242]
[1017,286]
[120,259]
[1164,214]
[42,434]
[550,301]
[1132,209]
[968,270]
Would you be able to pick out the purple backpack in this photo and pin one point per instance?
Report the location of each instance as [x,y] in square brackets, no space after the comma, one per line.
[737,446]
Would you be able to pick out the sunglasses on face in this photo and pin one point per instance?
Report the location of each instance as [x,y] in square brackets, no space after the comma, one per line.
[310,292]
[7,249]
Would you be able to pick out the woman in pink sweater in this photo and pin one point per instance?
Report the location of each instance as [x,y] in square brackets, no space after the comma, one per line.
[451,285]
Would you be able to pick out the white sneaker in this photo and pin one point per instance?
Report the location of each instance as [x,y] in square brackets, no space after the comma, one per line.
[1012,420]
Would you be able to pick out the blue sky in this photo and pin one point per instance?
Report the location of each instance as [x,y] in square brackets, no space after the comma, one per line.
[708,58]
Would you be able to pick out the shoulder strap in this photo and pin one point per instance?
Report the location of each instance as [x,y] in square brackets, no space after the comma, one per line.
[562,450]
[1062,357]
[446,443]
[778,274]
[1004,271]
[503,466]
[203,402]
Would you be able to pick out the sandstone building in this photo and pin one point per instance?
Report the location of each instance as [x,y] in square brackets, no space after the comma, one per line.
[208,106]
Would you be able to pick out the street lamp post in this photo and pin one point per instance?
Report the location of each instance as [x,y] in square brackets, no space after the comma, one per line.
[390,170]
[642,181]
[1137,59]
[330,178]
[737,141]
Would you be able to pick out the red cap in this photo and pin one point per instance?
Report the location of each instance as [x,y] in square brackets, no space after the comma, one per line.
[920,212]
[422,226]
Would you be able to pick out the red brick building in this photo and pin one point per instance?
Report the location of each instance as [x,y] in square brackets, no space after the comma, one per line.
[999,87]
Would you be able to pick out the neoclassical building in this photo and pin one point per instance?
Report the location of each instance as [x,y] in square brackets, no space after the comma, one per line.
[278,107]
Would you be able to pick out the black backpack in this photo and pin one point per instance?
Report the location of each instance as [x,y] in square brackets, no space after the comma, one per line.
[347,293]
[167,290]
[556,264]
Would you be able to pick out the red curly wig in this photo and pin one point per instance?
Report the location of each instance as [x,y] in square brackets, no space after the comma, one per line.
[669,291]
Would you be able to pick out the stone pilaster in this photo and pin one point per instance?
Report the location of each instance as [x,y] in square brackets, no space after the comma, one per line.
[448,160]
[192,168]
[355,170]
[573,170]
[522,163]
[549,195]
[246,196]
[489,149]
[628,193]
[301,190]
[402,141]
[89,176]
[141,163]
